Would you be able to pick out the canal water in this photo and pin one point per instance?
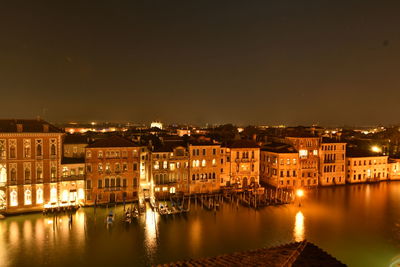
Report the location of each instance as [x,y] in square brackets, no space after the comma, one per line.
[359,224]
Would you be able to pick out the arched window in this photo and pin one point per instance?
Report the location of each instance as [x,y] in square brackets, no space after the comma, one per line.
[197,177]
[39,196]
[12,152]
[53,150]
[118,182]
[213,175]
[3,174]
[53,172]
[39,173]
[28,197]
[27,174]
[53,195]
[13,198]
[39,150]
[193,177]
[13,176]
[203,163]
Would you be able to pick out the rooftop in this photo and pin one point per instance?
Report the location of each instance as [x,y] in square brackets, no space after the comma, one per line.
[279,148]
[292,254]
[112,141]
[27,126]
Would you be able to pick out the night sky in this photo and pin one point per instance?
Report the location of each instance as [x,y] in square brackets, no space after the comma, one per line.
[244,62]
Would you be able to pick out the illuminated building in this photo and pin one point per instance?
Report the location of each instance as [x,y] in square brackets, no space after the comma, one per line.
[240,164]
[308,149]
[332,155]
[394,169]
[170,169]
[156,124]
[204,167]
[112,170]
[279,165]
[363,166]
[30,157]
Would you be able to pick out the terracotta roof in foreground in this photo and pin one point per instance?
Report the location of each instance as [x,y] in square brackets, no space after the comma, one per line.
[112,141]
[27,126]
[292,254]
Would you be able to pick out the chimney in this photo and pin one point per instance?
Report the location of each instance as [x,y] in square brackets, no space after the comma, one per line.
[45,128]
[20,128]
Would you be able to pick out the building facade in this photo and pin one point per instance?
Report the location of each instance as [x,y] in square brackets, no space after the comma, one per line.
[244,163]
[112,171]
[308,149]
[332,158]
[204,167]
[170,170]
[30,159]
[363,168]
[279,166]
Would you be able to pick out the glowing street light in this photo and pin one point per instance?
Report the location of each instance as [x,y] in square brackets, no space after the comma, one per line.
[300,194]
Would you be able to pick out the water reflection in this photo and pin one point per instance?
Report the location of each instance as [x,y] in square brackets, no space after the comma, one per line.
[150,232]
[298,232]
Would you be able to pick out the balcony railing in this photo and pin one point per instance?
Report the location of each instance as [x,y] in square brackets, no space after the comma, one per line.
[73,177]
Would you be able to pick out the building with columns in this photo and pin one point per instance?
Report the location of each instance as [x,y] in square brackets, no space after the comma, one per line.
[30,160]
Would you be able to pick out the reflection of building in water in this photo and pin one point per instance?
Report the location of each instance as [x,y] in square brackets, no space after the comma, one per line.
[298,232]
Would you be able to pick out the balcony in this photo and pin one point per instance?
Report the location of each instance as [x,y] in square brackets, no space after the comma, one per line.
[73,177]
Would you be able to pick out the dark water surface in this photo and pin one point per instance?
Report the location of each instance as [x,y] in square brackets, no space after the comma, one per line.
[359,224]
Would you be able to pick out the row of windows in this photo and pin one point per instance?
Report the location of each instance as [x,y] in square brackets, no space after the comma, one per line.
[172,166]
[363,176]
[332,147]
[196,152]
[364,162]
[27,151]
[111,183]
[111,154]
[308,182]
[203,176]
[332,168]
[244,154]
[28,173]
[107,167]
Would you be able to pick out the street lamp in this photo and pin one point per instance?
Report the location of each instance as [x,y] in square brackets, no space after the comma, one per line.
[300,194]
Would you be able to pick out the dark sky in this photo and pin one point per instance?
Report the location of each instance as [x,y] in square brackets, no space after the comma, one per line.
[264,62]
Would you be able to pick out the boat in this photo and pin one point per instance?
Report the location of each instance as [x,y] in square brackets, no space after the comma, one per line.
[2,217]
[110,218]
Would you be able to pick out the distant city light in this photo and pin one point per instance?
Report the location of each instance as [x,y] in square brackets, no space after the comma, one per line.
[376,149]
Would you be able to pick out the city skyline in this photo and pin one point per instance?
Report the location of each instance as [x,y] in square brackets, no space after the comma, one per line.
[290,63]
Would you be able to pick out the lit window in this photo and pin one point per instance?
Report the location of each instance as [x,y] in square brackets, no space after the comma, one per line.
[303,153]
[315,152]
[165,189]
[172,190]
[165,165]
[53,195]
[156,165]
[28,197]
[39,196]
[157,189]
[203,163]
[81,194]
[14,198]
[172,166]
[214,162]
[65,196]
